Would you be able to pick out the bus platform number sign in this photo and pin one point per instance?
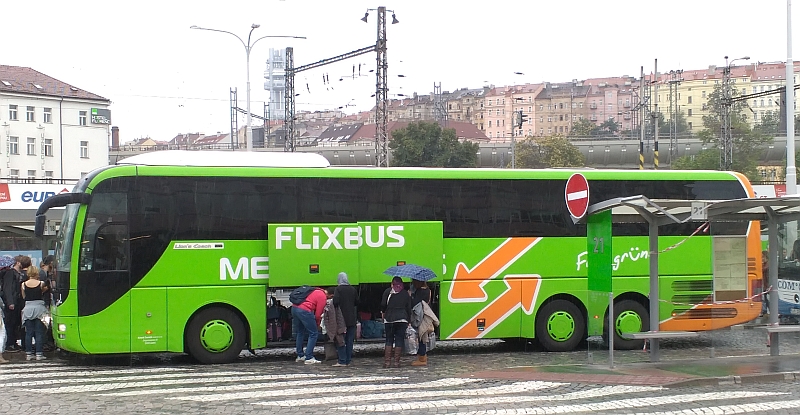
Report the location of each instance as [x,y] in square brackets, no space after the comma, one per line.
[576,194]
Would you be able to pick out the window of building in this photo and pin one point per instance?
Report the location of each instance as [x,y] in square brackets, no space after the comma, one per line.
[549,119]
[31,146]
[580,105]
[48,115]
[84,149]
[497,112]
[48,176]
[12,112]
[47,147]
[755,102]
[490,124]
[541,131]
[541,118]
[541,107]
[13,145]
[550,130]
[755,116]
[490,134]
[689,112]
[755,89]
[690,125]
[81,117]
[504,123]
[762,102]
[689,100]
[30,114]
[704,82]
[769,102]
[31,176]
[13,175]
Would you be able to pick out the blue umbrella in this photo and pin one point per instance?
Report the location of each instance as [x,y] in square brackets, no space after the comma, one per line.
[415,272]
[7,261]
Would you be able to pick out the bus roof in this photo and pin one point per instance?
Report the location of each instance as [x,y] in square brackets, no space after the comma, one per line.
[226,159]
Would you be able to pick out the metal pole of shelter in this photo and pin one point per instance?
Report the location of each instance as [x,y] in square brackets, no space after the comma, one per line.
[654,311]
[772,224]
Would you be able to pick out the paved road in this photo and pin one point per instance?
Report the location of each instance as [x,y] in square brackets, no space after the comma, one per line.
[272,383]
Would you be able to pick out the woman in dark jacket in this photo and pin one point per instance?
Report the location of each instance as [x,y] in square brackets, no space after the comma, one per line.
[396,306]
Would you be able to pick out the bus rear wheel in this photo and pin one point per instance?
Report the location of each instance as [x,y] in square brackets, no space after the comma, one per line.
[629,317]
[560,326]
[215,335]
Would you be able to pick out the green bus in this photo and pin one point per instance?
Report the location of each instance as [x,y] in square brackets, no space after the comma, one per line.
[178,251]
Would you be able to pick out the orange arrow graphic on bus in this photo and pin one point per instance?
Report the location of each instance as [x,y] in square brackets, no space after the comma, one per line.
[468,283]
[522,291]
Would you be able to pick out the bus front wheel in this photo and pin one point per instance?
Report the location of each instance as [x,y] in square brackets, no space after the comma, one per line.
[560,326]
[215,335]
[629,317]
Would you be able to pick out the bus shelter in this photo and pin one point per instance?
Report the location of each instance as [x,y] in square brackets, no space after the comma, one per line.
[659,212]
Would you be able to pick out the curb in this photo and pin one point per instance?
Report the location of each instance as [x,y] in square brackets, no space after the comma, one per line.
[737,380]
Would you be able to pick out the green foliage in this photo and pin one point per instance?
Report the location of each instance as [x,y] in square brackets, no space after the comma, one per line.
[663,125]
[609,127]
[769,124]
[551,151]
[746,141]
[583,128]
[426,144]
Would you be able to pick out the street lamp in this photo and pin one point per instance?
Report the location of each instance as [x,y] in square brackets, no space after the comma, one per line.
[247,48]
[726,158]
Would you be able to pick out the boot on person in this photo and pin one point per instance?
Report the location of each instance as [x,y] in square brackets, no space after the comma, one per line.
[398,352]
[387,357]
[421,361]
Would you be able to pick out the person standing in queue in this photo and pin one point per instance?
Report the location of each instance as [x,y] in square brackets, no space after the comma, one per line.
[309,317]
[421,294]
[396,307]
[33,292]
[345,299]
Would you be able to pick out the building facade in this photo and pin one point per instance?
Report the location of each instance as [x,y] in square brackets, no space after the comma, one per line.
[51,130]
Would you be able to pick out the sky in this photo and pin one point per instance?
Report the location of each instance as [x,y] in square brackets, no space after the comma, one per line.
[164,78]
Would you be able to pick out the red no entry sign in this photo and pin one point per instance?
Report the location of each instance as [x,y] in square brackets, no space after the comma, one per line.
[576,194]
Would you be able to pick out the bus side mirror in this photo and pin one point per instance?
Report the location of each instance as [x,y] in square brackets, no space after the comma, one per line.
[41,221]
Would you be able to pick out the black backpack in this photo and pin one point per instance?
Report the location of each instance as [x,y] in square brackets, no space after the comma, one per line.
[300,294]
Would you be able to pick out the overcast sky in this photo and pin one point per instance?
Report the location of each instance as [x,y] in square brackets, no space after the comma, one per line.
[164,79]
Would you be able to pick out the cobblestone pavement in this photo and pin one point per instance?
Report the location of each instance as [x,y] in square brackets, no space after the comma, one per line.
[271,382]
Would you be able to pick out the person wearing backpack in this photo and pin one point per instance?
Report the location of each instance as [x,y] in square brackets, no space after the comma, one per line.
[308,303]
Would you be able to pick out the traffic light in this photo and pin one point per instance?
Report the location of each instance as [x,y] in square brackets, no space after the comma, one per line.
[520,119]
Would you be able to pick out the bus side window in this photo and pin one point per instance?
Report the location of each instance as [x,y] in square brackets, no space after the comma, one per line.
[111,248]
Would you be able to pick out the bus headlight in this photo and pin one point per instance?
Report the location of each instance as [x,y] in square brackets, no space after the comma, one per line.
[62,327]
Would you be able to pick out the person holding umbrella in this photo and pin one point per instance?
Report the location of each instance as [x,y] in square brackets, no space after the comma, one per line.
[396,307]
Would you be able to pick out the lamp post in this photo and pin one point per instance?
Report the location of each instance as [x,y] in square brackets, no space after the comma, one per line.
[247,48]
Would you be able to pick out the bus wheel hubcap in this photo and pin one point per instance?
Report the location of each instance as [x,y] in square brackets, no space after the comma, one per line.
[560,326]
[628,322]
[216,336]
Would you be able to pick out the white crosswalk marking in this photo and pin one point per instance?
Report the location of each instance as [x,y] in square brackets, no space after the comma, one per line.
[441,403]
[66,379]
[737,409]
[273,385]
[101,387]
[338,392]
[35,372]
[626,403]
[426,392]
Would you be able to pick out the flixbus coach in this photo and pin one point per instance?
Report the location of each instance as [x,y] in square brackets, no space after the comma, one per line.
[177,251]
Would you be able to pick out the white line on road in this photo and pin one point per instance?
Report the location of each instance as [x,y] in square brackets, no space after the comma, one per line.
[591,393]
[33,372]
[621,404]
[63,380]
[277,384]
[337,392]
[100,387]
[736,409]
[341,397]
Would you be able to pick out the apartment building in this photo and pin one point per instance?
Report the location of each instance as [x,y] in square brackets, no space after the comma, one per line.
[50,129]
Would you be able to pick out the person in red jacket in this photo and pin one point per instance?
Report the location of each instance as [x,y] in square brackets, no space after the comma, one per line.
[309,316]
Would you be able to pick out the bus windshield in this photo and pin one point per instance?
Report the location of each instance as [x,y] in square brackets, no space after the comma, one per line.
[63,258]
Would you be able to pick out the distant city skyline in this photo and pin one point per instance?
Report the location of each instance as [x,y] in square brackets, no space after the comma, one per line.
[164,79]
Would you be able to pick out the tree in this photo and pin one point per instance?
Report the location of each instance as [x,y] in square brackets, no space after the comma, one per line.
[746,140]
[583,128]
[664,125]
[769,124]
[704,160]
[426,144]
[550,151]
[609,127]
